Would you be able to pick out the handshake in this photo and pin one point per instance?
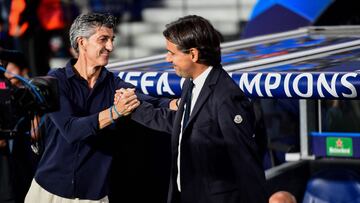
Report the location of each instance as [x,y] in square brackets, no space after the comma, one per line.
[125,101]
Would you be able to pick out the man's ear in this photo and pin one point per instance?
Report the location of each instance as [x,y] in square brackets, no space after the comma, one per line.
[194,54]
[81,42]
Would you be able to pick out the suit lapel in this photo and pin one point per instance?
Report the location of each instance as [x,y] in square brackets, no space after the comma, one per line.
[205,92]
[179,114]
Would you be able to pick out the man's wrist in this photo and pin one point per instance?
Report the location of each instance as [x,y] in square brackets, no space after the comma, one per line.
[117,112]
[111,115]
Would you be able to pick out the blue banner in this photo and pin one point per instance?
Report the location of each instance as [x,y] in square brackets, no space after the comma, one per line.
[299,85]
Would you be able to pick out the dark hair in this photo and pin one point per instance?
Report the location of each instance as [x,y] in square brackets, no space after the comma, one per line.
[15,57]
[196,32]
[84,26]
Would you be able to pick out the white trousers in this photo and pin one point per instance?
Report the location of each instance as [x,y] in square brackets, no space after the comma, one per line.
[39,195]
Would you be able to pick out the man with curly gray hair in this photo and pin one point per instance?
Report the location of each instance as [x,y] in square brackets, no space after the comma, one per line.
[79,141]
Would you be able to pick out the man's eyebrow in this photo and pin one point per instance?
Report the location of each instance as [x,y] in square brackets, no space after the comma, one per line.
[107,36]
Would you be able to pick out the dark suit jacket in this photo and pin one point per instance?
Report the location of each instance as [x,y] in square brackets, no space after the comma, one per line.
[219,160]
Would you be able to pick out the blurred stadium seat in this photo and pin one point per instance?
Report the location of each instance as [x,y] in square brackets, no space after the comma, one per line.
[333,186]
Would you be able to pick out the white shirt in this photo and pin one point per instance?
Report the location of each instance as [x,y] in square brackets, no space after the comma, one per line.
[198,84]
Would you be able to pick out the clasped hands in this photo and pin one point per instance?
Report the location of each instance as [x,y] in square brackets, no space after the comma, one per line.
[125,101]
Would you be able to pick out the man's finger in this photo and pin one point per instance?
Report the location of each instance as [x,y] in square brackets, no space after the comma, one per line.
[129,99]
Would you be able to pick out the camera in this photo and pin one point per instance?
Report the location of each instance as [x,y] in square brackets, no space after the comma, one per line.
[19,104]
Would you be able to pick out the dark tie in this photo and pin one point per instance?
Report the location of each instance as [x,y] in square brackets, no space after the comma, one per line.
[188,104]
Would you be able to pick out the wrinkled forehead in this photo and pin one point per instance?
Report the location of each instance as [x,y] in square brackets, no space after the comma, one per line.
[103,31]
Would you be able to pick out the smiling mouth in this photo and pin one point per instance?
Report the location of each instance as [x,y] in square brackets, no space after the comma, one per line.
[105,53]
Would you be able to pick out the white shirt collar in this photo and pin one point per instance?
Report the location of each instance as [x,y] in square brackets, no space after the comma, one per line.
[200,80]
[198,84]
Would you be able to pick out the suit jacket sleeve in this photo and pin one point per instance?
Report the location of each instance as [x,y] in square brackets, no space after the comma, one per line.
[160,119]
[157,102]
[236,121]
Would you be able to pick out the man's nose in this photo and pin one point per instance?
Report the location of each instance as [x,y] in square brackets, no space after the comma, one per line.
[168,58]
[109,45]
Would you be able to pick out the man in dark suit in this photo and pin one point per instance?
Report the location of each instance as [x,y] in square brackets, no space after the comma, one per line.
[214,154]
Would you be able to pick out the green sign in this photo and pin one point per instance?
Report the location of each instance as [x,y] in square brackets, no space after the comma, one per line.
[339,146]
